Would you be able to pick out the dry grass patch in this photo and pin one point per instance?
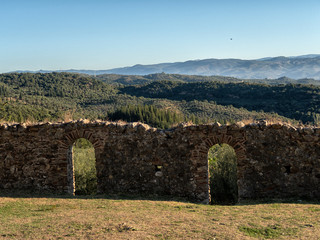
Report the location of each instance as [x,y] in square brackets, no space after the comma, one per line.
[102,218]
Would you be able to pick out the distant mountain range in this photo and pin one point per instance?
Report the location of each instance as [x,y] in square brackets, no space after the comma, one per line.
[306,66]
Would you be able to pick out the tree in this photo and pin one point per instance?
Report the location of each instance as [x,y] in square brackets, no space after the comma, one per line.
[84,167]
[223,174]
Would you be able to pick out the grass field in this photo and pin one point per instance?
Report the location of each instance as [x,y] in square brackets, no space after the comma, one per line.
[111,218]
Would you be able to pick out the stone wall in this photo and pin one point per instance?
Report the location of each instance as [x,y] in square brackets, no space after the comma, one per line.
[276,161]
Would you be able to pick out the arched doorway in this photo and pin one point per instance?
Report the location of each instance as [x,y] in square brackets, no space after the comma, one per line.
[222,164]
[199,158]
[84,167]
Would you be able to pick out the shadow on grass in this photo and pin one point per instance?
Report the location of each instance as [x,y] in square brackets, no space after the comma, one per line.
[150,197]
[278,200]
[37,194]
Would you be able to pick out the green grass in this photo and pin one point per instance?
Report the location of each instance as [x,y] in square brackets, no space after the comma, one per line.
[269,232]
[101,217]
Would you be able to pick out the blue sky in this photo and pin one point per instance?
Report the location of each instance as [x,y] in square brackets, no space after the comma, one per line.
[96,34]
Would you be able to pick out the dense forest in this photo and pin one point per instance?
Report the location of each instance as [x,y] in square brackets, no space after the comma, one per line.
[300,102]
[138,79]
[162,101]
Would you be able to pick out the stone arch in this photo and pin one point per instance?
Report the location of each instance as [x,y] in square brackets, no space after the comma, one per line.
[236,143]
[199,156]
[72,136]
[67,144]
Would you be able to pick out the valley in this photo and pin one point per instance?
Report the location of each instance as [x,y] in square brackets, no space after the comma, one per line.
[38,97]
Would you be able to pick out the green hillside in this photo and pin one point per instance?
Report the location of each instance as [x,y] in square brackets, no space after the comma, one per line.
[66,96]
[299,102]
[142,79]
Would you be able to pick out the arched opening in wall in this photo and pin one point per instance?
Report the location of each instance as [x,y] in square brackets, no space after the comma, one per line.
[84,166]
[222,163]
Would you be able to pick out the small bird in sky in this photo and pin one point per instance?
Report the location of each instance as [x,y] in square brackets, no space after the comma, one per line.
[230,38]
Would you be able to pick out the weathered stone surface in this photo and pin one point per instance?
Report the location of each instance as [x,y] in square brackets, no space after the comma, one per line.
[275,161]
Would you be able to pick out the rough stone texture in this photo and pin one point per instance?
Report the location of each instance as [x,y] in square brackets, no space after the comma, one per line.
[274,161]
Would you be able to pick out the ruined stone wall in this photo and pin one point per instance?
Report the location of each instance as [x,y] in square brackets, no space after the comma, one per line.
[282,161]
[273,160]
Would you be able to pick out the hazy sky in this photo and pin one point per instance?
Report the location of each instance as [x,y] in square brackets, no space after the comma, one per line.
[103,34]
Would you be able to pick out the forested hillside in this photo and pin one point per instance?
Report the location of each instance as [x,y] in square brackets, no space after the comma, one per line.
[163,103]
[138,79]
[38,97]
[300,102]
